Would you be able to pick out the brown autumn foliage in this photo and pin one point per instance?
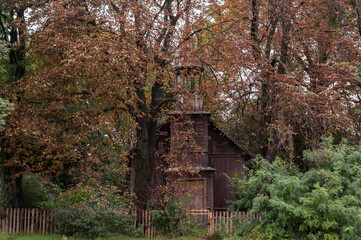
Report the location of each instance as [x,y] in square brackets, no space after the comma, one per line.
[100,78]
[286,71]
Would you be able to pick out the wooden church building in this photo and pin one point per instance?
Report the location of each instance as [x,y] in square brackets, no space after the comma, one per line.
[217,155]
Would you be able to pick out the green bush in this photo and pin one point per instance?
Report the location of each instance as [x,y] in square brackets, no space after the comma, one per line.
[321,203]
[5,195]
[243,228]
[216,236]
[171,218]
[99,196]
[39,193]
[93,222]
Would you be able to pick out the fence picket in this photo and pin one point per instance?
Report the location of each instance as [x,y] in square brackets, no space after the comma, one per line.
[37,222]
[26,220]
[149,228]
[21,220]
[17,220]
[24,224]
[52,225]
[44,221]
[32,220]
[11,221]
[230,222]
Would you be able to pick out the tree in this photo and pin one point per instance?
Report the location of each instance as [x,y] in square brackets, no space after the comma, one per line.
[12,36]
[99,80]
[288,68]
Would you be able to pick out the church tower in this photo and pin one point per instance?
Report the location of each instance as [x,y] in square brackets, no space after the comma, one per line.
[190,129]
[190,110]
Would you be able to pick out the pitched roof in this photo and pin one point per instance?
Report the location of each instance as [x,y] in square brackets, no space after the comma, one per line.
[236,143]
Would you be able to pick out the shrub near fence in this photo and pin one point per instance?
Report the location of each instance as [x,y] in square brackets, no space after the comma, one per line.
[25,220]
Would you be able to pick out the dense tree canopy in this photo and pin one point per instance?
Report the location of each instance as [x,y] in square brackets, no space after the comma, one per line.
[89,80]
[287,71]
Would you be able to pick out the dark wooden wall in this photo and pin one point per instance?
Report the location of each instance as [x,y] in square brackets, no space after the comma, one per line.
[227,159]
[200,127]
[216,153]
[224,165]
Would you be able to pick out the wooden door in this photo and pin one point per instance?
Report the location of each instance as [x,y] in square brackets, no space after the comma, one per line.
[194,191]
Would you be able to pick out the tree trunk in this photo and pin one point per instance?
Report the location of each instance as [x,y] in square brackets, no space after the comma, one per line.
[17,200]
[146,137]
[14,180]
[144,168]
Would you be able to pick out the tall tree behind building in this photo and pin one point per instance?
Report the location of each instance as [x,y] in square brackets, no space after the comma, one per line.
[287,71]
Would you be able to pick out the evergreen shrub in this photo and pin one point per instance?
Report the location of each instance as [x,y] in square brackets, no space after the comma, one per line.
[320,203]
[39,193]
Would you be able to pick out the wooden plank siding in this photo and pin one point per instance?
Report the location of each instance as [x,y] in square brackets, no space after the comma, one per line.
[224,164]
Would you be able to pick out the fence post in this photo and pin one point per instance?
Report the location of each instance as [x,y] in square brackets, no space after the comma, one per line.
[44,221]
[211,223]
[11,226]
[52,225]
[231,224]
[220,221]
[32,220]
[27,217]
[149,227]
[17,220]
[21,227]
[132,212]
[227,222]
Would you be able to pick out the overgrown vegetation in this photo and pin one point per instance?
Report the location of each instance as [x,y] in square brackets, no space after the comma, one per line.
[91,212]
[86,81]
[170,219]
[39,193]
[93,222]
[320,203]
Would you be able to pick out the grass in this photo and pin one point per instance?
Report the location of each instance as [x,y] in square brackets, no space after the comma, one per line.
[5,236]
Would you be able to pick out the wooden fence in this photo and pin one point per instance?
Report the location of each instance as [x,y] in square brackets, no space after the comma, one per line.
[223,221]
[146,220]
[25,220]
[217,221]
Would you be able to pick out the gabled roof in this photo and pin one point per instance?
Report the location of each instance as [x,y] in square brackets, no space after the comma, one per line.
[237,144]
